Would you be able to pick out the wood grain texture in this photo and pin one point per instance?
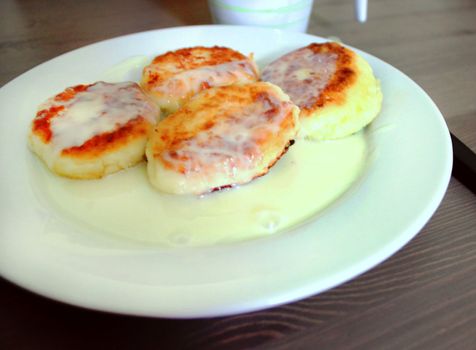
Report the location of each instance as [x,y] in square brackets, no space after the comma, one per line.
[424,297]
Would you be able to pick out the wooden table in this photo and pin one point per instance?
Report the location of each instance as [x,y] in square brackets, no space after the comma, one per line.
[424,297]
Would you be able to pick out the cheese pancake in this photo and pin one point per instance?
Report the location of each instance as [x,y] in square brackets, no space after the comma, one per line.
[175,76]
[220,138]
[333,86]
[89,131]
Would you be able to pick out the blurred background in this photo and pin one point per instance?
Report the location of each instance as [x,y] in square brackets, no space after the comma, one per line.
[405,33]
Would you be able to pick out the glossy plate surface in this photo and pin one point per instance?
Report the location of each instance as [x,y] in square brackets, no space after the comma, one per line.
[404,181]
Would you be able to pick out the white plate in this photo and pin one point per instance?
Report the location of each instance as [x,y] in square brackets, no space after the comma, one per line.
[403,184]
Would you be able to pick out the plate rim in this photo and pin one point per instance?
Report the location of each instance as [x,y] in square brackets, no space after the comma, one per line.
[392,248]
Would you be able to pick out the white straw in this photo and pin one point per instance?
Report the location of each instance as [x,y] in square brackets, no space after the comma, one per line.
[360,10]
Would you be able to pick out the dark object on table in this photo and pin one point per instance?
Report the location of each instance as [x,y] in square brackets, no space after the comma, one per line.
[464,164]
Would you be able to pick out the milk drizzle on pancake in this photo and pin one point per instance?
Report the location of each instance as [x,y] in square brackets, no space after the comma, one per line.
[233,141]
[302,74]
[182,83]
[101,108]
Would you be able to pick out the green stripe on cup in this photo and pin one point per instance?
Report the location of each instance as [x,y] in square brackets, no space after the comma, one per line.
[284,25]
[285,9]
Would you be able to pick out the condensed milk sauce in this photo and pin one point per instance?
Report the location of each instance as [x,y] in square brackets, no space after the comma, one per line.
[309,177]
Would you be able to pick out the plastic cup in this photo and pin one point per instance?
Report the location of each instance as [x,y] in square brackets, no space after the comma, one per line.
[290,15]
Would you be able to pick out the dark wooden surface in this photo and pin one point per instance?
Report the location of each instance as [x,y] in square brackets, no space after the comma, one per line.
[424,297]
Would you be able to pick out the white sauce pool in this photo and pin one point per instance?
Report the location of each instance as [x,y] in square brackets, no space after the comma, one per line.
[308,178]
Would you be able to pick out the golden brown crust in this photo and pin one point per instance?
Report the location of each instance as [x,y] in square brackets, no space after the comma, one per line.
[175,130]
[187,59]
[175,76]
[199,56]
[97,145]
[344,76]
[110,141]
[41,123]
[333,86]
[222,137]
[88,131]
